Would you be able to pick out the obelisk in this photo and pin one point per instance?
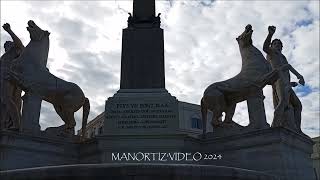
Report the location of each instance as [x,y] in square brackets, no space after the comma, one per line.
[142,56]
[143,8]
[142,106]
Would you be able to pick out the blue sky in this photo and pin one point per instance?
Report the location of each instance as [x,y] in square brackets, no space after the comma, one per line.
[200,46]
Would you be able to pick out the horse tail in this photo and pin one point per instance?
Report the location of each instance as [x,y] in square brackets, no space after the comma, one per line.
[204,111]
[85,114]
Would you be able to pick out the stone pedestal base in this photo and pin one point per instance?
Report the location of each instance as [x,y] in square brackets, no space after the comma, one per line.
[140,149]
[23,150]
[275,151]
[135,172]
[141,111]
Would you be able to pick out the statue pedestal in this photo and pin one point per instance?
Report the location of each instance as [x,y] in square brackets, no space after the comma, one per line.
[25,150]
[141,111]
[276,152]
[125,171]
[31,113]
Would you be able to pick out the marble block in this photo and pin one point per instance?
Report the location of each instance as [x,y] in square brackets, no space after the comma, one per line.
[152,111]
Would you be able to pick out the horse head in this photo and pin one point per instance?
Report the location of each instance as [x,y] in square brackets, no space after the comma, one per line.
[245,39]
[38,48]
[36,33]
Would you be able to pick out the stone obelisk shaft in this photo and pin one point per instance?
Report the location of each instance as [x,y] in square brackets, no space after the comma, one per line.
[143,8]
[142,56]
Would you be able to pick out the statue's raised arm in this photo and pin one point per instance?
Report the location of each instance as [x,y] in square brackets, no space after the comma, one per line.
[17,42]
[267,42]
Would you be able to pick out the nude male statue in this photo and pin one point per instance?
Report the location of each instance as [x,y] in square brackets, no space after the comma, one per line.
[10,93]
[283,94]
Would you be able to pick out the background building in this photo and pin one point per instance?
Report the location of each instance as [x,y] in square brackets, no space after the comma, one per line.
[94,127]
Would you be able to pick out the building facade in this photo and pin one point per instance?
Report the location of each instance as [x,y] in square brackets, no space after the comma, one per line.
[94,127]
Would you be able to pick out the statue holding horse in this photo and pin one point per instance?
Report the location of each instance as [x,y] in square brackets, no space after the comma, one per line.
[30,73]
[223,96]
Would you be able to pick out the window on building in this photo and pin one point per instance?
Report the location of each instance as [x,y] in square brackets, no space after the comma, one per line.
[100,130]
[196,123]
[93,132]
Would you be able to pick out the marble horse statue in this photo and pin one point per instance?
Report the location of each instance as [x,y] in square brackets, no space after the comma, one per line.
[223,96]
[30,73]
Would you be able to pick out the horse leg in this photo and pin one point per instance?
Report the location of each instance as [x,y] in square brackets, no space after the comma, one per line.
[216,118]
[59,112]
[66,116]
[71,123]
[229,113]
[13,115]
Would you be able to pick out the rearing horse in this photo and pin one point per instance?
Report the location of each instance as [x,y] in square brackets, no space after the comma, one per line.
[223,96]
[30,73]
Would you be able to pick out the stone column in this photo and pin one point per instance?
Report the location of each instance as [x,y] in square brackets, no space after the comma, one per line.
[144,8]
[142,56]
[257,115]
[31,113]
[142,59]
